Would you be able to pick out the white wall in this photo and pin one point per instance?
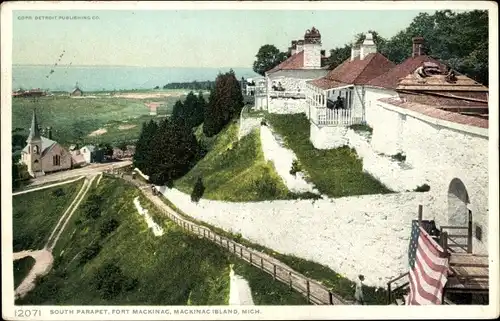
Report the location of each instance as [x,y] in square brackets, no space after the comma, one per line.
[291,80]
[372,95]
[287,106]
[439,151]
[282,159]
[327,137]
[340,233]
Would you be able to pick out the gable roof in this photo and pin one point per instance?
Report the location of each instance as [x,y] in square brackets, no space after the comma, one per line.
[390,79]
[438,113]
[47,144]
[295,61]
[355,72]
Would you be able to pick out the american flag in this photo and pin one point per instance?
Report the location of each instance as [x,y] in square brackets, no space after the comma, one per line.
[428,268]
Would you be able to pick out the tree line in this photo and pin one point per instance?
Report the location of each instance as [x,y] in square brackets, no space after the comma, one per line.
[166,150]
[459,40]
[192,85]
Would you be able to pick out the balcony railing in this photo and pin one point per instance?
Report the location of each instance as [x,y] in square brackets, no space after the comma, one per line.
[334,117]
[287,94]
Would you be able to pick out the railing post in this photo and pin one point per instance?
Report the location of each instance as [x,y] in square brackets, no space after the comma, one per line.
[234,247]
[290,275]
[420,214]
[250,257]
[204,233]
[445,243]
[262,263]
[469,233]
[308,292]
[388,292]
[330,297]
[241,251]
[274,271]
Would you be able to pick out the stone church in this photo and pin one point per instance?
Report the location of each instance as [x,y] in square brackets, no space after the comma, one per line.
[43,155]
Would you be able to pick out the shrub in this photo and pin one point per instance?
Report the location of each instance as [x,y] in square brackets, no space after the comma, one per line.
[422,188]
[237,237]
[108,227]
[266,186]
[361,128]
[109,280]
[58,192]
[295,167]
[198,190]
[399,157]
[89,253]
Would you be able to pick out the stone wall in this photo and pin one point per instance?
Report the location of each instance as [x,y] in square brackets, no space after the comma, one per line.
[282,159]
[286,106]
[440,152]
[366,235]
[327,137]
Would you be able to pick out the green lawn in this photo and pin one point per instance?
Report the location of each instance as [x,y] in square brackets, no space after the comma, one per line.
[128,265]
[21,269]
[235,171]
[335,172]
[35,214]
[73,119]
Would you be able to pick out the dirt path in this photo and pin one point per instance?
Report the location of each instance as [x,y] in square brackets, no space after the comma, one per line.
[43,264]
[51,243]
[43,258]
[46,186]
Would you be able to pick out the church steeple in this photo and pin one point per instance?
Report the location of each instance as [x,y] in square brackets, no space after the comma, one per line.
[34,130]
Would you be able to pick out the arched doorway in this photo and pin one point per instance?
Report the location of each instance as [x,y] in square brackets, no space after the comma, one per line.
[458,201]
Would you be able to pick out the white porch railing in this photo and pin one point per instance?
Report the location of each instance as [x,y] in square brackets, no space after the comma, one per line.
[287,94]
[334,117]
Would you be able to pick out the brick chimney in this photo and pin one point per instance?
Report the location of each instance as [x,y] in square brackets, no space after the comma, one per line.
[300,46]
[354,51]
[312,49]
[418,46]
[293,48]
[367,47]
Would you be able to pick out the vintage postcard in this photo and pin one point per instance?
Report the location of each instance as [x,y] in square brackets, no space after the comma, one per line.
[249,160]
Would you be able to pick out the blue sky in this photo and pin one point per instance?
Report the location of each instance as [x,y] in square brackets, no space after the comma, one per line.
[185,38]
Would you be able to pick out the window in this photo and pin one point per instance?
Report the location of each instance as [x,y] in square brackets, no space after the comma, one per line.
[56,160]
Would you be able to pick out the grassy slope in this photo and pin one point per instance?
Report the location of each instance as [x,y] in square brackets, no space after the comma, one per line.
[21,269]
[174,269]
[35,214]
[335,172]
[234,171]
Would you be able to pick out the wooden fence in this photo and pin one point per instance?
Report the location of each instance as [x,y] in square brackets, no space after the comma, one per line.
[315,292]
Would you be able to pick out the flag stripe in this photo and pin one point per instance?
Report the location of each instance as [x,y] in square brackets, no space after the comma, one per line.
[435,264]
[424,296]
[431,244]
[428,269]
[431,278]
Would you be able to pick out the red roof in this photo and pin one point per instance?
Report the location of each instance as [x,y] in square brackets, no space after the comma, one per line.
[438,113]
[390,79]
[293,62]
[355,72]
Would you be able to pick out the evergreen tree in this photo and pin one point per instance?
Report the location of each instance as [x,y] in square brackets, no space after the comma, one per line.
[145,146]
[176,151]
[225,103]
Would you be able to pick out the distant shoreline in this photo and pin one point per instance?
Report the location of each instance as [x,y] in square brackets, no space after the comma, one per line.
[124,66]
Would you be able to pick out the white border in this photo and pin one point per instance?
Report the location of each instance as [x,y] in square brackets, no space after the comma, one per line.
[286,312]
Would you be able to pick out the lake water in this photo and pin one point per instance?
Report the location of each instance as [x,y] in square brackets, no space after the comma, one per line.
[93,78]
